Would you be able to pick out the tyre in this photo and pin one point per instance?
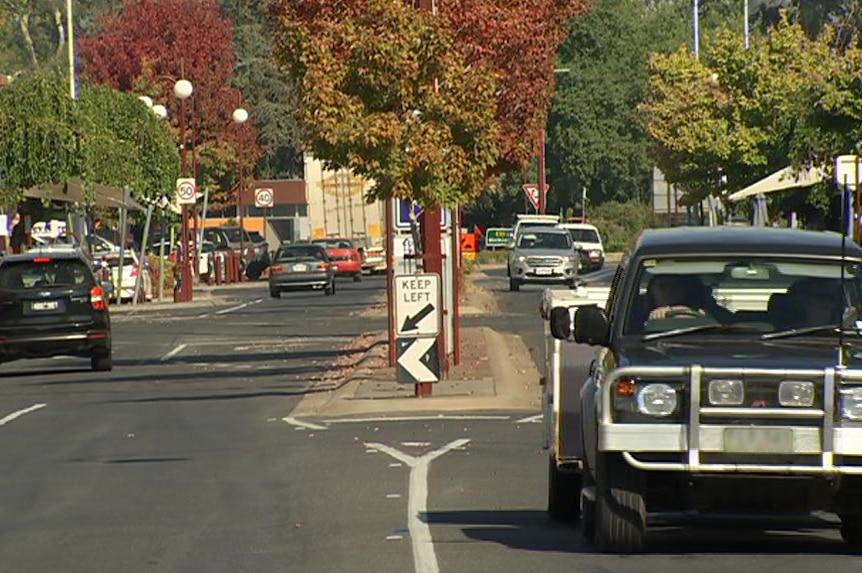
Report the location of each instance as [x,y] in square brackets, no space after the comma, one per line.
[514,285]
[851,529]
[274,293]
[357,277]
[330,288]
[620,507]
[102,362]
[588,503]
[564,488]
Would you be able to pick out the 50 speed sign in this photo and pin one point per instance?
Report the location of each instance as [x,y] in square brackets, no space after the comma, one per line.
[185,191]
[264,197]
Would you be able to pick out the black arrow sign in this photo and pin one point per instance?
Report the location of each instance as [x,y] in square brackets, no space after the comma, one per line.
[412,322]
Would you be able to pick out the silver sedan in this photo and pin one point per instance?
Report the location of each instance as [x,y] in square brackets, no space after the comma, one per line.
[300,267]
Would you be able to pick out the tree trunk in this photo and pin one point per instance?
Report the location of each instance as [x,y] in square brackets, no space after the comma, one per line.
[24,26]
[61,32]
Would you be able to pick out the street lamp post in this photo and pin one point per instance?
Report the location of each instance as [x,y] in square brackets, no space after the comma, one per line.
[240,116]
[543,178]
[182,91]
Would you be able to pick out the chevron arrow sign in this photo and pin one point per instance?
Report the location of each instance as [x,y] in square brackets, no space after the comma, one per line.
[418,360]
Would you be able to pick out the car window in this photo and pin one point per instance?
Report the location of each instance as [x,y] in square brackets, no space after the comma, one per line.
[114,262]
[584,235]
[256,236]
[545,241]
[294,254]
[45,272]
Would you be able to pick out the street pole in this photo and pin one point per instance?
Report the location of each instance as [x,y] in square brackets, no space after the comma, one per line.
[542,176]
[747,35]
[141,259]
[184,292]
[696,29]
[390,280]
[70,38]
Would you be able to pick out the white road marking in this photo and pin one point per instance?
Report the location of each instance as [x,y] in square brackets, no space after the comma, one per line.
[396,465]
[233,308]
[393,496]
[6,419]
[414,418]
[424,557]
[306,425]
[177,349]
[416,444]
[394,537]
[537,419]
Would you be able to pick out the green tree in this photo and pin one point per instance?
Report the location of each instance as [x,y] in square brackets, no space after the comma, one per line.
[369,70]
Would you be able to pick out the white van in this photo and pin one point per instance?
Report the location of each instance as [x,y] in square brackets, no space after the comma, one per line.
[587,238]
[527,220]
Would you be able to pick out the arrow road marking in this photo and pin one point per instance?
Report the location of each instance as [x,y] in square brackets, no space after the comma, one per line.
[6,419]
[537,419]
[411,360]
[424,557]
[412,322]
[300,424]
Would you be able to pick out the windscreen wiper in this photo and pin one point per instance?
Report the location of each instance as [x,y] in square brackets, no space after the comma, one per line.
[823,328]
[701,328]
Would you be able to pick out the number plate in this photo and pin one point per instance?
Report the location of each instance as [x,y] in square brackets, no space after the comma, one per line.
[544,271]
[300,268]
[758,440]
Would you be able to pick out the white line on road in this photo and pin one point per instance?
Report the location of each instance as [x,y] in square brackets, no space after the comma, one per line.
[177,349]
[5,420]
[424,557]
[537,419]
[233,308]
[301,424]
[413,419]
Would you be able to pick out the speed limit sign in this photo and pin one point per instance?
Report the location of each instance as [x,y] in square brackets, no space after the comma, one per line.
[185,191]
[263,197]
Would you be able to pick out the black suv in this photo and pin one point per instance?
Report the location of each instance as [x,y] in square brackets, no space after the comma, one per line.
[51,304]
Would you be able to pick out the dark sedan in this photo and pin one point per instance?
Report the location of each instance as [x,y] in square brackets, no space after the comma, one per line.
[300,267]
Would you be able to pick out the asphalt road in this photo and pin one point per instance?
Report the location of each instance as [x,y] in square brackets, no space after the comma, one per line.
[181,460]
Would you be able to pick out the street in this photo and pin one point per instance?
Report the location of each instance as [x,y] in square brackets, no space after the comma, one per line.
[185,458]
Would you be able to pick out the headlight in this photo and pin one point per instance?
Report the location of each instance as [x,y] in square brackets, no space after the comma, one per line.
[569,259]
[658,400]
[851,403]
[726,392]
[796,394]
[595,253]
[522,258]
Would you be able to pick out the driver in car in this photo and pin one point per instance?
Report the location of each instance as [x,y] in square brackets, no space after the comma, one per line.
[673,296]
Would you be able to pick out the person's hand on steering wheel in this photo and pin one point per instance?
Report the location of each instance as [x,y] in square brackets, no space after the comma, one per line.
[676,311]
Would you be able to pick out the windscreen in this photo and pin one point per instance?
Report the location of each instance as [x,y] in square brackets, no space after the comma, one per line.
[584,235]
[765,294]
[294,254]
[556,241]
[21,275]
[334,244]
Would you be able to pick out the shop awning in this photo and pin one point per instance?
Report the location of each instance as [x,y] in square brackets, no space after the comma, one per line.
[74,192]
[787,178]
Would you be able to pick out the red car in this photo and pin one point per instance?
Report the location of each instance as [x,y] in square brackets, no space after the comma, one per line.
[345,257]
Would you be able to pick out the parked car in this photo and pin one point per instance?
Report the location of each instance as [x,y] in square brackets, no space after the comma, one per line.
[345,257]
[299,267]
[374,259]
[543,255]
[125,291]
[53,305]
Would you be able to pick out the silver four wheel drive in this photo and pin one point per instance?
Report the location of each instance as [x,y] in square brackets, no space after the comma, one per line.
[543,255]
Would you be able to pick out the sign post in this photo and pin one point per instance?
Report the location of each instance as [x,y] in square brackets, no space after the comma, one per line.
[417,325]
[497,237]
[532,192]
[264,198]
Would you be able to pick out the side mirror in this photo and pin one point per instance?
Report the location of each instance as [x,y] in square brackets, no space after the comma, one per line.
[591,326]
[510,245]
[560,322]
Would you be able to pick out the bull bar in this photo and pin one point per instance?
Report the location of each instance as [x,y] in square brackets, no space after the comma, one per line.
[694,437]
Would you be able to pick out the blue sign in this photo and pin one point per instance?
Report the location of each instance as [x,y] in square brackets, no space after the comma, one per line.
[407,211]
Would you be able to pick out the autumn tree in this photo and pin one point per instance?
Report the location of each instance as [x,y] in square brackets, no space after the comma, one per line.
[148,45]
[427,106]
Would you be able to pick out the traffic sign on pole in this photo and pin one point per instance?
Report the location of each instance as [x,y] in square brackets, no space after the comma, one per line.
[532,192]
[417,305]
[408,211]
[264,198]
[418,360]
[186,191]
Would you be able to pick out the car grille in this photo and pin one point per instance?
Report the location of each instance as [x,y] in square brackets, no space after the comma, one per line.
[544,261]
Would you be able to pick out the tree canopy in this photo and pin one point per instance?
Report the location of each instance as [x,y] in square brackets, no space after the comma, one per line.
[429,107]
[149,45]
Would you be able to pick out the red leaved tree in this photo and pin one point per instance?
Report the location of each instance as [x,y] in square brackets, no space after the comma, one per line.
[149,44]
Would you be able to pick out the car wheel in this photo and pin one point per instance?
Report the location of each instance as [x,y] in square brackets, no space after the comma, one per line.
[102,362]
[357,277]
[330,288]
[514,285]
[620,506]
[564,488]
[274,293]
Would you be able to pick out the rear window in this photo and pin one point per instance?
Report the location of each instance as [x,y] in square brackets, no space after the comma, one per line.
[584,235]
[301,254]
[334,244]
[51,272]
[114,262]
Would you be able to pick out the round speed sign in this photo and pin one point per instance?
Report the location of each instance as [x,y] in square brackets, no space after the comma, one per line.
[263,197]
[185,190]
